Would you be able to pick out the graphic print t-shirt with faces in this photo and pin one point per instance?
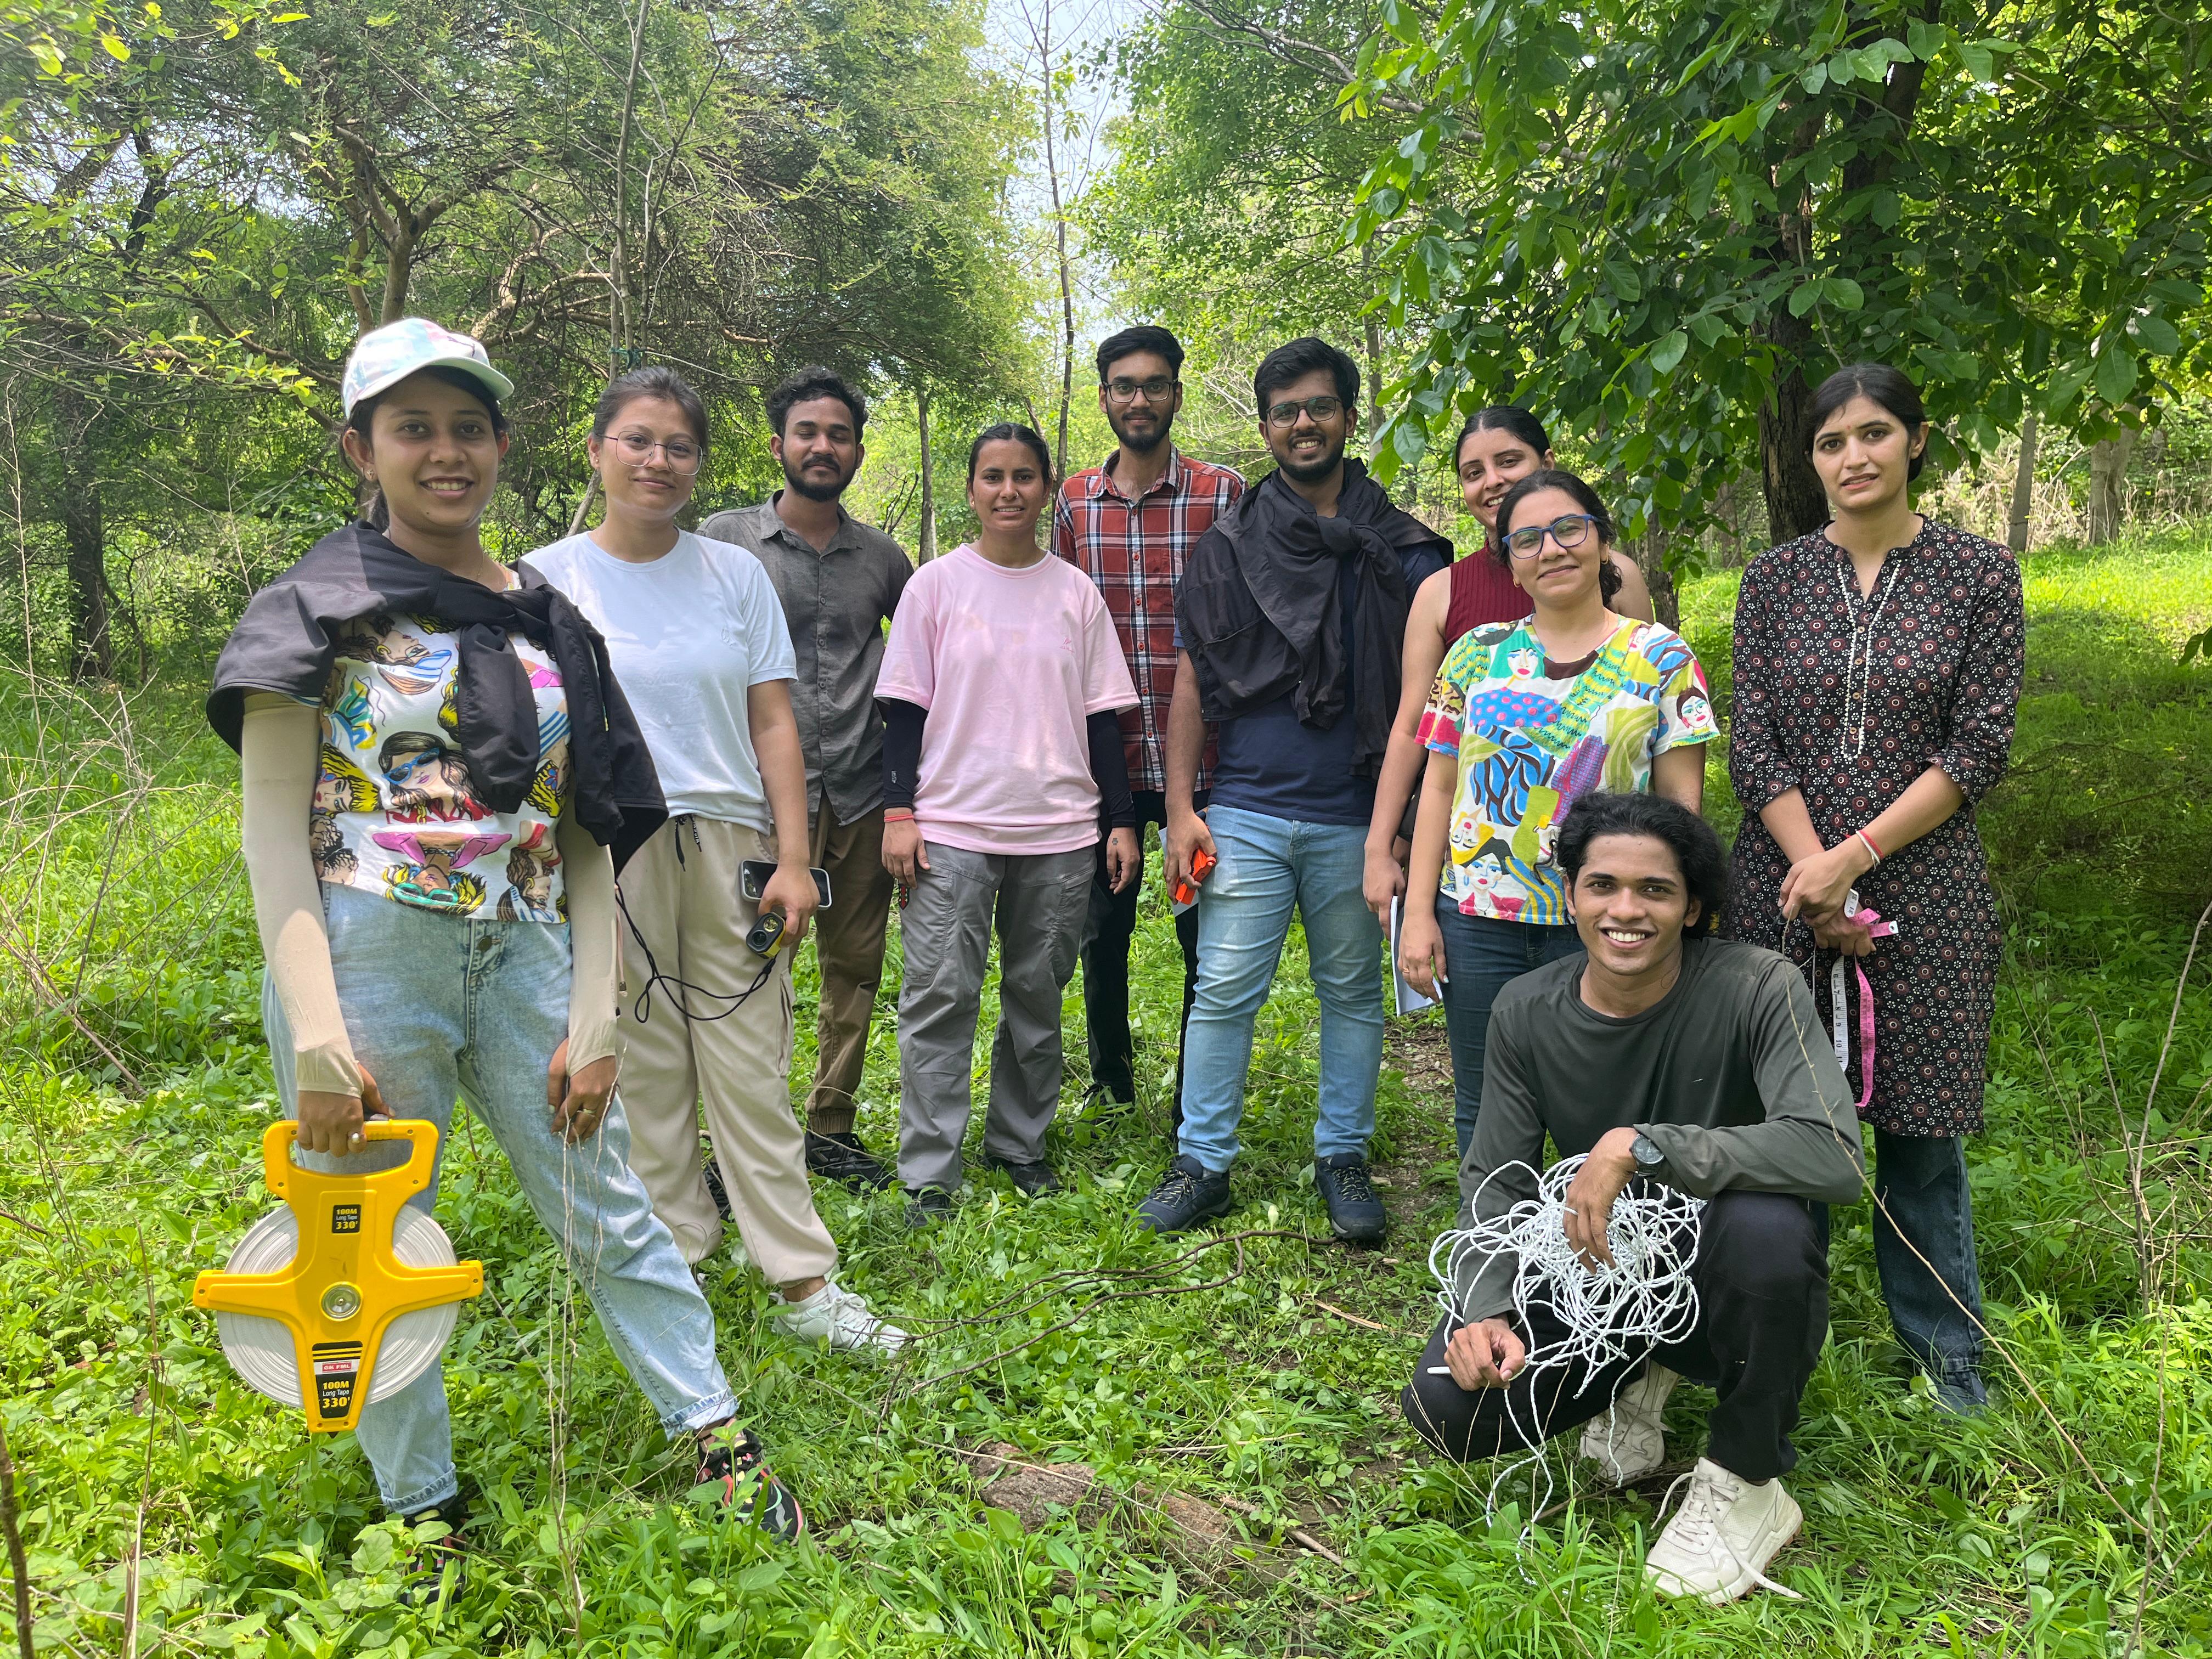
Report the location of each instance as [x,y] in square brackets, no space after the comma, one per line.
[393,811]
[1529,744]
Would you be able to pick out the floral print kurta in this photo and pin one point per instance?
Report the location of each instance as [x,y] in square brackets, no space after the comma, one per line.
[1933,682]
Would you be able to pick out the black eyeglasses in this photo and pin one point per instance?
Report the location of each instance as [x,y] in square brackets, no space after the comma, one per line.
[1286,413]
[636,448]
[1154,390]
[1571,531]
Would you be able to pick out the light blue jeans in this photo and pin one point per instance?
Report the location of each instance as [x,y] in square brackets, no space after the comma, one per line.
[437,1007]
[1270,867]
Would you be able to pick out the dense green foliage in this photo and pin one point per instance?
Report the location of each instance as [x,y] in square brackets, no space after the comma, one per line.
[2070,1521]
[1663,224]
[201,205]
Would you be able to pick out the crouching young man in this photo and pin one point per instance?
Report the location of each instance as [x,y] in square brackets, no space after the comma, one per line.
[1665,1053]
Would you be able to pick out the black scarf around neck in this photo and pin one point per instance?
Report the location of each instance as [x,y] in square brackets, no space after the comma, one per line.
[1259,611]
[286,642]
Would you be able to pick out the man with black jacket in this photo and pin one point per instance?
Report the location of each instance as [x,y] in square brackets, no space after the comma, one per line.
[1290,621]
[1665,1056]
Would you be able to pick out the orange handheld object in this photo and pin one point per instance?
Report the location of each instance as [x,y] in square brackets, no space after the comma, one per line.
[1185,893]
[345,1283]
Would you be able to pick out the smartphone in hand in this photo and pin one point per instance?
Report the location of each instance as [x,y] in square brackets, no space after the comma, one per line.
[753,878]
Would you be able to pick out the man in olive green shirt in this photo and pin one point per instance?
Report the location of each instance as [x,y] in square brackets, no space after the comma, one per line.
[840,580]
[1669,1056]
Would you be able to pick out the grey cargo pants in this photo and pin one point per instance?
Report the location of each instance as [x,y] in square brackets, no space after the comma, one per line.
[1039,902]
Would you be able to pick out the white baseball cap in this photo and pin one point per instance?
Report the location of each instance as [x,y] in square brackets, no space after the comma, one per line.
[384,357]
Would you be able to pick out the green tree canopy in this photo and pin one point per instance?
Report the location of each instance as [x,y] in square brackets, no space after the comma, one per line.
[1660,225]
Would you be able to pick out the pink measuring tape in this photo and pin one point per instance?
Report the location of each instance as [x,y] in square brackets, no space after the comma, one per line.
[1839,1024]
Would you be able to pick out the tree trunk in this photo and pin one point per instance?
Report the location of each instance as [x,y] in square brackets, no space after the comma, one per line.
[398,271]
[1041,34]
[2023,488]
[1649,552]
[84,529]
[928,538]
[1795,504]
[2108,469]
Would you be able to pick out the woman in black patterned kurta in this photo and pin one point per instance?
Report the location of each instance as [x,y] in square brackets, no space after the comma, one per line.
[1875,697]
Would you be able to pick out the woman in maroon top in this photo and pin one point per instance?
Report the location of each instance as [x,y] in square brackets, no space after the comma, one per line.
[1877,664]
[1497,448]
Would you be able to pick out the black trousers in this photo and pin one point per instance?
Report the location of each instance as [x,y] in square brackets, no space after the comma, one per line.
[1762,1278]
[1111,924]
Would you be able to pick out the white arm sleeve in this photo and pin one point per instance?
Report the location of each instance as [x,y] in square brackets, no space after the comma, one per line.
[589,869]
[280,749]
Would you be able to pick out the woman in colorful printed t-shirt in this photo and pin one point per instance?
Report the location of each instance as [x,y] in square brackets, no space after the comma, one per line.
[461,760]
[1499,447]
[1523,718]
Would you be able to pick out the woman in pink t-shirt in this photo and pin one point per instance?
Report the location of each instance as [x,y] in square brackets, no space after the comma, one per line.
[1002,767]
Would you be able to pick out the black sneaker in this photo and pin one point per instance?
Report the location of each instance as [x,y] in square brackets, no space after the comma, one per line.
[1031,1180]
[731,1459]
[928,1206]
[1355,1209]
[432,1565]
[717,1191]
[842,1158]
[1186,1196]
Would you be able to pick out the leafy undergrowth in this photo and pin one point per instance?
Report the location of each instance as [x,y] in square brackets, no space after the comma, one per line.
[1257,1373]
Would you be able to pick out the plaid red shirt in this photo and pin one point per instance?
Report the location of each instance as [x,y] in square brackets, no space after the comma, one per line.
[1135,553]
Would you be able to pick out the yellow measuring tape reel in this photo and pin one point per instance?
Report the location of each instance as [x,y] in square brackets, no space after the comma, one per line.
[344,1295]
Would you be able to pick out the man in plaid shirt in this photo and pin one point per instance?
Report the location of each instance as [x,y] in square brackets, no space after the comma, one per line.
[1127,524]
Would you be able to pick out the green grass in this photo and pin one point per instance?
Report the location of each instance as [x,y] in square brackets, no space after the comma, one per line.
[2040,1529]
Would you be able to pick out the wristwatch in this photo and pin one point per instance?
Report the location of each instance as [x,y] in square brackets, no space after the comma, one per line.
[1648,1157]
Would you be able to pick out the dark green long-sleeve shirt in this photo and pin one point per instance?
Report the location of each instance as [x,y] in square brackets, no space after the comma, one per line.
[1731,1075]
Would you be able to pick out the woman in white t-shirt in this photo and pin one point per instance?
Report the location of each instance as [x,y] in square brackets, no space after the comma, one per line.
[1002,767]
[696,637]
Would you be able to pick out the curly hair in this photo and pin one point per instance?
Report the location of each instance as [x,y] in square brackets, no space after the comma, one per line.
[1697,849]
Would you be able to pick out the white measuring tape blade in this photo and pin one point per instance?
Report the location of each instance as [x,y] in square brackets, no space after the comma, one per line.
[260,1349]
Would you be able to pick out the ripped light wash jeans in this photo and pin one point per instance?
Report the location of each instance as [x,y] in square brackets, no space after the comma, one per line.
[435,1008]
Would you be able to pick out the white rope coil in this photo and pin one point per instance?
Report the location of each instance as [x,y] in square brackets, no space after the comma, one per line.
[1644,1298]
[1614,1313]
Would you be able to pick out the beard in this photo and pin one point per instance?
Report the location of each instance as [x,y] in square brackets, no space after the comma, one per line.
[1141,443]
[1314,471]
[812,488]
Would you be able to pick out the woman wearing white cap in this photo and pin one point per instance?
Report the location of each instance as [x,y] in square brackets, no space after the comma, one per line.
[463,761]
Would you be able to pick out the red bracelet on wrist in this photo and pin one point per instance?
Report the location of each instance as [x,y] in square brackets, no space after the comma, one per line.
[898,815]
[1870,847]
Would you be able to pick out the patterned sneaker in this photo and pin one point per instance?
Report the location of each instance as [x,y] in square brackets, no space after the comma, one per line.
[1186,1195]
[1630,1441]
[1719,1543]
[1355,1208]
[842,1158]
[839,1316]
[717,1189]
[731,1460]
[433,1565]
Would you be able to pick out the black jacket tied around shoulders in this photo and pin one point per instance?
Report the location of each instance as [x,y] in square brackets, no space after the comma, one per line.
[287,641]
[1260,612]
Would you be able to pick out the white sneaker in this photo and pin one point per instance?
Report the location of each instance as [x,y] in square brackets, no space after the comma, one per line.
[1629,1440]
[1719,1542]
[839,1315]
